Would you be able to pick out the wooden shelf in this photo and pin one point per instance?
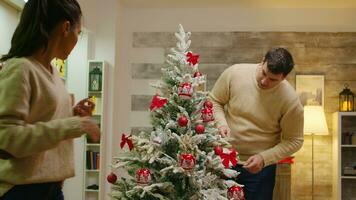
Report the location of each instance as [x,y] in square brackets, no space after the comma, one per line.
[93,144]
[88,190]
[348,177]
[343,155]
[94,92]
[348,145]
[96,176]
[92,170]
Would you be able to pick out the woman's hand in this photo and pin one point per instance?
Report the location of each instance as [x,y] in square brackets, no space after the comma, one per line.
[84,108]
[91,128]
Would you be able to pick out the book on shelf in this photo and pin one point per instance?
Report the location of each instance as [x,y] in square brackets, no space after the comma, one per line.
[92,159]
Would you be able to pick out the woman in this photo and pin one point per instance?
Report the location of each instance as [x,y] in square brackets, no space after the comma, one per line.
[37,125]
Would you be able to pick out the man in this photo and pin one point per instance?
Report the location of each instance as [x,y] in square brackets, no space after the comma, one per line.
[260,110]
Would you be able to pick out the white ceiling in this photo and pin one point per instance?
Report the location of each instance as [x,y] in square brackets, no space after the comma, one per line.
[239,3]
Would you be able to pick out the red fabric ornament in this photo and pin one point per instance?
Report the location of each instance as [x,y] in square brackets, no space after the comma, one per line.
[235,193]
[288,160]
[228,158]
[182,121]
[199,128]
[185,90]
[192,59]
[187,161]
[218,150]
[197,74]
[143,176]
[126,139]
[207,115]
[157,102]
[208,104]
[111,178]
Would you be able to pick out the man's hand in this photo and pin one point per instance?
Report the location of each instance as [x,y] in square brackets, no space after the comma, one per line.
[85,107]
[224,131]
[254,164]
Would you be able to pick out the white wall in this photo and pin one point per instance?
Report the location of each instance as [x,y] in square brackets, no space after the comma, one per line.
[8,22]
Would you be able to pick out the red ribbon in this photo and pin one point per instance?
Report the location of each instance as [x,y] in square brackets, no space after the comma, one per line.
[192,59]
[229,157]
[126,139]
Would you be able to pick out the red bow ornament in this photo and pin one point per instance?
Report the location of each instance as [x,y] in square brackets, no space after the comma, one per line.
[157,102]
[192,59]
[228,158]
[126,139]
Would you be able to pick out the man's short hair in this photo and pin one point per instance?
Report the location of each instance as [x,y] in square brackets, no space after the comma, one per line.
[279,61]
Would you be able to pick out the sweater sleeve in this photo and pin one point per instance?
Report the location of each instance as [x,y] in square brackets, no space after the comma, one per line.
[21,139]
[291,123]
[220,95]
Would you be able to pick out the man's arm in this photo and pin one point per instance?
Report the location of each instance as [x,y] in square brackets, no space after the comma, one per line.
[220,95]
[291,123]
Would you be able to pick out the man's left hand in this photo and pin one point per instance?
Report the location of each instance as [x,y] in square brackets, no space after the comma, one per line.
[254,164]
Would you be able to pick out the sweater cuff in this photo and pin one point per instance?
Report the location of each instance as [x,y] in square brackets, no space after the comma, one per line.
[220,123]
[267,158]
[74,127]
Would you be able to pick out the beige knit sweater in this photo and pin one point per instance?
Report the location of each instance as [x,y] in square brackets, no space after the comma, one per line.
[36,125]
[268,122]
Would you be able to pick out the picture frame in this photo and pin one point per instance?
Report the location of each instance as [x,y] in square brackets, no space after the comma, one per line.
[310,89]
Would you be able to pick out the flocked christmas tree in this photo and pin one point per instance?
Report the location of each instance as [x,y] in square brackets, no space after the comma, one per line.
[183,157]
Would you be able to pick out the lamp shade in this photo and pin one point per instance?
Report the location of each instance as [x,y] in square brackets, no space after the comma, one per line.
[315,121]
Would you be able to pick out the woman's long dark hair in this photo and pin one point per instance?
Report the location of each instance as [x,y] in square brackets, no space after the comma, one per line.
[38,19]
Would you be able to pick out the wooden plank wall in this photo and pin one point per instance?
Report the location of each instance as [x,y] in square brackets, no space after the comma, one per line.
[329,54]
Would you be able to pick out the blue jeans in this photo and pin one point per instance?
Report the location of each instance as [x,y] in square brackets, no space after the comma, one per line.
[257,186]
[41,191]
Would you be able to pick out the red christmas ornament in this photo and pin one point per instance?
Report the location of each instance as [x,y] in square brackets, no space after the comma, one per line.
[199,128]
[192,59]
[143,176]
[218,150]
[185,90]
[111,178]
[187,161]
[197,74]
[207,114]
[235,193]
[157,102]
[208,104]
[182,121]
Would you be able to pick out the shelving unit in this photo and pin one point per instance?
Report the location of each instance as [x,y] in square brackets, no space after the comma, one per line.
[344,155]
[94,152]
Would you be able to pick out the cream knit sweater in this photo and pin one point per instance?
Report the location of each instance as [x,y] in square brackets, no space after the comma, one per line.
[36,125]
[268,122]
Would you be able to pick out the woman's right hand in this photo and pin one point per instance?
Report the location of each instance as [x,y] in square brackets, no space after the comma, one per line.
[91,128]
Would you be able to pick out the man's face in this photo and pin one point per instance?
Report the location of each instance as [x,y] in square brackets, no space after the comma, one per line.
[267,79]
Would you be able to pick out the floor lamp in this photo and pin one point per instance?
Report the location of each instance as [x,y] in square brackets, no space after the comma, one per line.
[314,124]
